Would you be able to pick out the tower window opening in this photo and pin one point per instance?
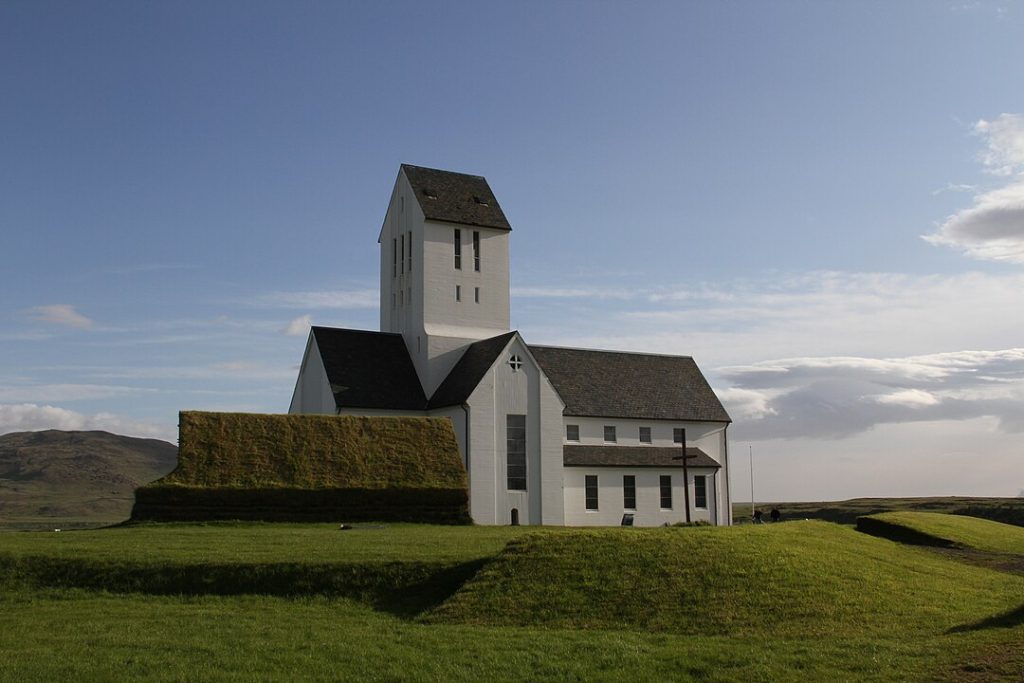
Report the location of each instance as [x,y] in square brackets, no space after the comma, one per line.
[476,251]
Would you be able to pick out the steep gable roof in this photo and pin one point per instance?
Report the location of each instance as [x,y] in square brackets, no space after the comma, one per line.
[467,373]
[629,385]
[455,197]
[369,369]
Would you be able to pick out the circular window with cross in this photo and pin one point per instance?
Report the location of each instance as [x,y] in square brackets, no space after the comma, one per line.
[515,362]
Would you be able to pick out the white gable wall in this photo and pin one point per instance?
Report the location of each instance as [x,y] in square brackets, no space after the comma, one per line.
[504,392]
[312,389]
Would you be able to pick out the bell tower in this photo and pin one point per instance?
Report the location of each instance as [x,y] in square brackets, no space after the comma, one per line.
[444,267]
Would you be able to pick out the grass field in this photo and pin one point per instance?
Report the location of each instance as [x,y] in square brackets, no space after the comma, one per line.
[802,601]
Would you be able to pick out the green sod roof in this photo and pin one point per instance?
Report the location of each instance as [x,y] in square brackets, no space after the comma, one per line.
[242,450]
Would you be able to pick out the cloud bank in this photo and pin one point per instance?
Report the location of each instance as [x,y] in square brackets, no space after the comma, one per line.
[836,397]
[993,227]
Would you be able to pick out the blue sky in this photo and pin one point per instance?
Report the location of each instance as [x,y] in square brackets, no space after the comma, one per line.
[822,202]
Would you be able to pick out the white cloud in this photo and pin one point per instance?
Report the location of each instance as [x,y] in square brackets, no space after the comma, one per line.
[993,227]
[28,417]
[838,397]
[65,392]
[299,327]
[340,298]
[573,293]
[61,314]
[1004,143]
[824,314]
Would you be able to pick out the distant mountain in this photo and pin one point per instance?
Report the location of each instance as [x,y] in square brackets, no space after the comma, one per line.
[69,479]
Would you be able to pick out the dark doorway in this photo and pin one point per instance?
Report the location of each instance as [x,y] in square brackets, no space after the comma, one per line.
[515,516]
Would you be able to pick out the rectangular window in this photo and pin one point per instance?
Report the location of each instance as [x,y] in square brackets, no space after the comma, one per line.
[515,434]
[677,435]
[410,251]
[629,492]
[700,491]
[609,434]
[591,491]
[645,435]
[458,292]
[394,256]
[476,294]
[476,251]
[402,270]
[572,432]
[458,249]
[666,492]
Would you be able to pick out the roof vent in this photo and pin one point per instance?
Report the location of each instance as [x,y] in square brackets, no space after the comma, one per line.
[429,193]
[480,200]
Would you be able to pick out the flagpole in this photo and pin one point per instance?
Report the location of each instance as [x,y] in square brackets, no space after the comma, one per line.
[751,447]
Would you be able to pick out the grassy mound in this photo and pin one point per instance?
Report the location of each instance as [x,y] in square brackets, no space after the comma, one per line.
[310,468]
[803,579]
[932,528]
[1007,510]
[401,568]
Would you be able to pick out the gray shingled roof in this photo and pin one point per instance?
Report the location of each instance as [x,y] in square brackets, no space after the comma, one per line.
[633,456]
[455,197]
[466,374]
[369,369]
[629,385]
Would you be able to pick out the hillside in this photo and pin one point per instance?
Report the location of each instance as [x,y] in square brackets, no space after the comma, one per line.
[800,579]
[1006,510]
[58,478]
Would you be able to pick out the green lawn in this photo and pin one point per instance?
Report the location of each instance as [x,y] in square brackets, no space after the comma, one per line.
[786,602]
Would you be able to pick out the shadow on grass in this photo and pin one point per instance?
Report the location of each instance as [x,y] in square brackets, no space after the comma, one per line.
[404,589]
[1014,617]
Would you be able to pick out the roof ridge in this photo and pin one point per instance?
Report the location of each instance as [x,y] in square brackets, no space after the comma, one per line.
[441,170]
[625,353]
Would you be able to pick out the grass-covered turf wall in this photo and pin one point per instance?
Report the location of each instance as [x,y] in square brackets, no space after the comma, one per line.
[310,468]
[932,528]
[801,579]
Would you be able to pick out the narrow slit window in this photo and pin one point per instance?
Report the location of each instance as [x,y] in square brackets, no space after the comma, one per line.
[629,492]
[515,434]
[700,491]
[458,249]
[403,254]
[590,486]
[666,492]
[476,294]
[458,292]
[476,251]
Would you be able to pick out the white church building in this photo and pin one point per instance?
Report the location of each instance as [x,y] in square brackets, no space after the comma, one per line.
[549,435]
